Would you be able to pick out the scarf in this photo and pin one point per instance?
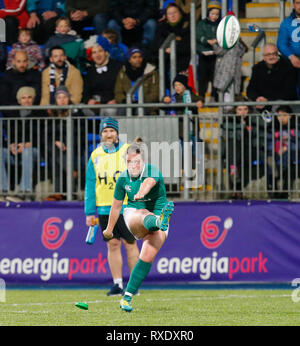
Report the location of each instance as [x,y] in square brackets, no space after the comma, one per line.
[62,80]
[186,98]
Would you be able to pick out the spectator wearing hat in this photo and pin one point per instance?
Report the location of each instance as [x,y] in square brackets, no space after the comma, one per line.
[21,146]
[205,39]
[136,67]
[56,150]
[183,94]
[60,72]
[100,80]
[104,167]
[134,21]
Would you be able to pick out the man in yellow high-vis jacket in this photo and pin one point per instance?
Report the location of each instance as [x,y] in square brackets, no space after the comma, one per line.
[106,163]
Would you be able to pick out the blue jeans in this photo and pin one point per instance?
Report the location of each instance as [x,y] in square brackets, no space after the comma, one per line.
[149,29]
[28,159]
[100,22]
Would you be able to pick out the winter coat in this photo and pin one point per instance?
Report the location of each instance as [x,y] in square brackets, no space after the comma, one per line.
[73,82]
[150,85]
[34,52]
[278,83]
[92,7]
[73,47]
[250,133]
[183,43]
[137,9]
[41,6]
[100,82]
[185,5]
[15,8]
[284,137]
[205,30]
[228,65]
[12,81]
[287,41]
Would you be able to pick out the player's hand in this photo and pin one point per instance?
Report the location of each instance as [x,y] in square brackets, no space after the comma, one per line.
[107,234]
[139,195]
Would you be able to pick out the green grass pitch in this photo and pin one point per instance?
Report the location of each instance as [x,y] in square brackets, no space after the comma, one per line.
[154,307]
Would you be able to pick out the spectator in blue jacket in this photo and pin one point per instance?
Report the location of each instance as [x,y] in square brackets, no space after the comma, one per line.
[43,15]
[288,39]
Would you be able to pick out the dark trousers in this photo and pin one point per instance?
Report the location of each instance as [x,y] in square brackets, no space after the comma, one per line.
[206,68]
[42,32]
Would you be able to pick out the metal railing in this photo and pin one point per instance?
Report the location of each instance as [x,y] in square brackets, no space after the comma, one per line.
[260,40]
[264,170]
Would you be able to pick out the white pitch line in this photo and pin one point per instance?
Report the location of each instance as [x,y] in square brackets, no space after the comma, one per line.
[203,298]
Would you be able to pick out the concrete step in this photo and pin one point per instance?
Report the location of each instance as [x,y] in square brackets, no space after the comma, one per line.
[249,37]
[265,23]
[266,10]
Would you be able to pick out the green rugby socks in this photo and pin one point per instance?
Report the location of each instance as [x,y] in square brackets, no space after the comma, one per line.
[152,223]
[138,275]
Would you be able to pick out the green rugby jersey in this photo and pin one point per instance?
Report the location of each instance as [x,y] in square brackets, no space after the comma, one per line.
[154,201]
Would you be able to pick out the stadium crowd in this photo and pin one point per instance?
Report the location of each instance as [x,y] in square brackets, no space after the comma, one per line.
[71,52]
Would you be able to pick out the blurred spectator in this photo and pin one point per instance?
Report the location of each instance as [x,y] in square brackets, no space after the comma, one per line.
[134,21]
[15,15]
[118,50]
[135,67]
[67,38]
[22,150]
[100,80]
[3,56]
[43,15]
[88,12]
[206,38]
[243,147]
[60,72]
[273,78]
[283,151]
[178,24]
[57,145]
[33,50]
[183,94]
[16,77]
[288,40]
[185,6]
[229,66]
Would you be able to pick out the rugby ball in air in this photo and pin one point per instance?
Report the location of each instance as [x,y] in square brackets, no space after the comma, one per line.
[228,32]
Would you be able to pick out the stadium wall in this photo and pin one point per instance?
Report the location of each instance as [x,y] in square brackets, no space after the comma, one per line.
[257,241]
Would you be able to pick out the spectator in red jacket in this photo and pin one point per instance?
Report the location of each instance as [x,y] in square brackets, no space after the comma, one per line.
[15,15]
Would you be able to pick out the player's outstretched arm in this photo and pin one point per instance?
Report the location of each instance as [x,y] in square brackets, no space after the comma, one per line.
[114,214]
[145,188]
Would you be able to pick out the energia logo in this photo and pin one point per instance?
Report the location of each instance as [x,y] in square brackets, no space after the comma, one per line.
[51,237]
[210,235]
[214,265]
